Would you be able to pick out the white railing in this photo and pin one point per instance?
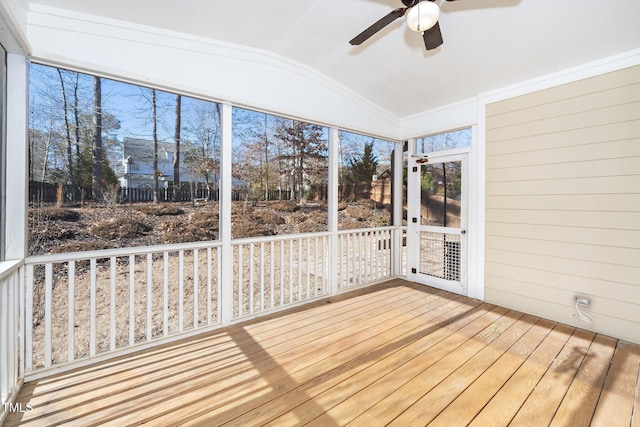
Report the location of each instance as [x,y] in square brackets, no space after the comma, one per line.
[364,256]
[86,306]
[9,332]
[87,303]
[279,271]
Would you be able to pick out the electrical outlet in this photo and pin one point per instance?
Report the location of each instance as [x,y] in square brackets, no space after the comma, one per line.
[584,301]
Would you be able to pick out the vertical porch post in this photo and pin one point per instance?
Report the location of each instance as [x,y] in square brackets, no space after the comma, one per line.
[225,299]
[332,207]
[397,203]
[413,185]
[17,157]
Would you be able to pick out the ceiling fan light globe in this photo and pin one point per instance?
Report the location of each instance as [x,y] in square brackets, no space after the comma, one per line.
[423,16]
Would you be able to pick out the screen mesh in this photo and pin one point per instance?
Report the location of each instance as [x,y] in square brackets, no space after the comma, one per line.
[440,255]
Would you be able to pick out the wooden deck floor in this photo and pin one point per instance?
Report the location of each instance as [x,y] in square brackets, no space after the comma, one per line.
[396,354]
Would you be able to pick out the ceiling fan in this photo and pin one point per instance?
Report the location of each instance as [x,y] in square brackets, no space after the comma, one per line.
[422,17]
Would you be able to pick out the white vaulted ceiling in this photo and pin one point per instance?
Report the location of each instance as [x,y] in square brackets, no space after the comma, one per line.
[488,44]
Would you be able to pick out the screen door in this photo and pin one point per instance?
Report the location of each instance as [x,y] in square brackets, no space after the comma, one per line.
[437,221]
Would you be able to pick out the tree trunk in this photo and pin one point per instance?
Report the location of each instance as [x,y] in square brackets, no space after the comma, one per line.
[266,160]
[67,128]
[176,154]
[76,113]
[154,118]
[96,169]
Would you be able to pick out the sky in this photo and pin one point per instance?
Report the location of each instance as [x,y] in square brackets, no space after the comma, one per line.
[131,105]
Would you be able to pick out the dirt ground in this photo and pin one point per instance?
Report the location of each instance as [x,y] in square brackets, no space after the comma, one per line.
[95,226]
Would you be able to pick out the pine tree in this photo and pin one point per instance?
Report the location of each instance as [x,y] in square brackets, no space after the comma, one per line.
[362,169]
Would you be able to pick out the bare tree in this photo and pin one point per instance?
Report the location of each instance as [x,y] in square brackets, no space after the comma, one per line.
[203,127]
[97,158]
[176,154]
[154,121]
[67,128]
[305,151]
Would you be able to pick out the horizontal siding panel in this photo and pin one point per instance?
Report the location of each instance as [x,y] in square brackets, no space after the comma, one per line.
[576,251]
[595,219]
[591,185]
[569,138]
[591,202]
[562,195]
[565,282]
[599,304]
[584,169]
[589,236]
[585,153]
[583,103]
[598,83]
[624,329]
[613,273]
[616,114]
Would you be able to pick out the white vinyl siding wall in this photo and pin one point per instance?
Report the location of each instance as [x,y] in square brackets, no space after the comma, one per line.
[563,202]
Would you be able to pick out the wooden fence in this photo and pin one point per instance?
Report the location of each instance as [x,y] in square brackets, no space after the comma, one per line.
[44,192]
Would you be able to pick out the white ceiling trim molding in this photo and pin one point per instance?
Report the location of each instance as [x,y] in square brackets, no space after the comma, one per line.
[462,114]
[13,25]
[196,65]
[465,113]
[570,75]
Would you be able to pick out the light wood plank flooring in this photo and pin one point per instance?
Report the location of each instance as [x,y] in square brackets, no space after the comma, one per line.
[395,354]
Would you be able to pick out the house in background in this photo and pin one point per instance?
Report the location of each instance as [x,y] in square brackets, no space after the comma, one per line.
[137,159]
[550,185]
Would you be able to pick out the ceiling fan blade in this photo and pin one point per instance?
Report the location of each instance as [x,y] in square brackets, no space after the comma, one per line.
[432,37]
[380,24]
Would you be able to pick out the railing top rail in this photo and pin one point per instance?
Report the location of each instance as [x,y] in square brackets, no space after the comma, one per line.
[118,252]
[9,267]
[278,238]
[369,229]
[139,250]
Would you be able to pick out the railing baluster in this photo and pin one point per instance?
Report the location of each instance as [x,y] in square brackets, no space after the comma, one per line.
[325,264]
[315,265]
[251,264]
[299,269]
[209,276]
[165,293]
[282,281]
[352,260]
[149,292]
[71,322]
[360,264]
[29,320]
[290,271]
[181,290]
[340,261]
[240,269]
[271,275]
[219,300]
[47,314]
[373,254]
[196,278]
[112,305]
[92,333]
[308,242]
[261,276]
[132,294]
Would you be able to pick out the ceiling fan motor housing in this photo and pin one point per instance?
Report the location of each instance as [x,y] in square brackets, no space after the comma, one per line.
[410,3]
